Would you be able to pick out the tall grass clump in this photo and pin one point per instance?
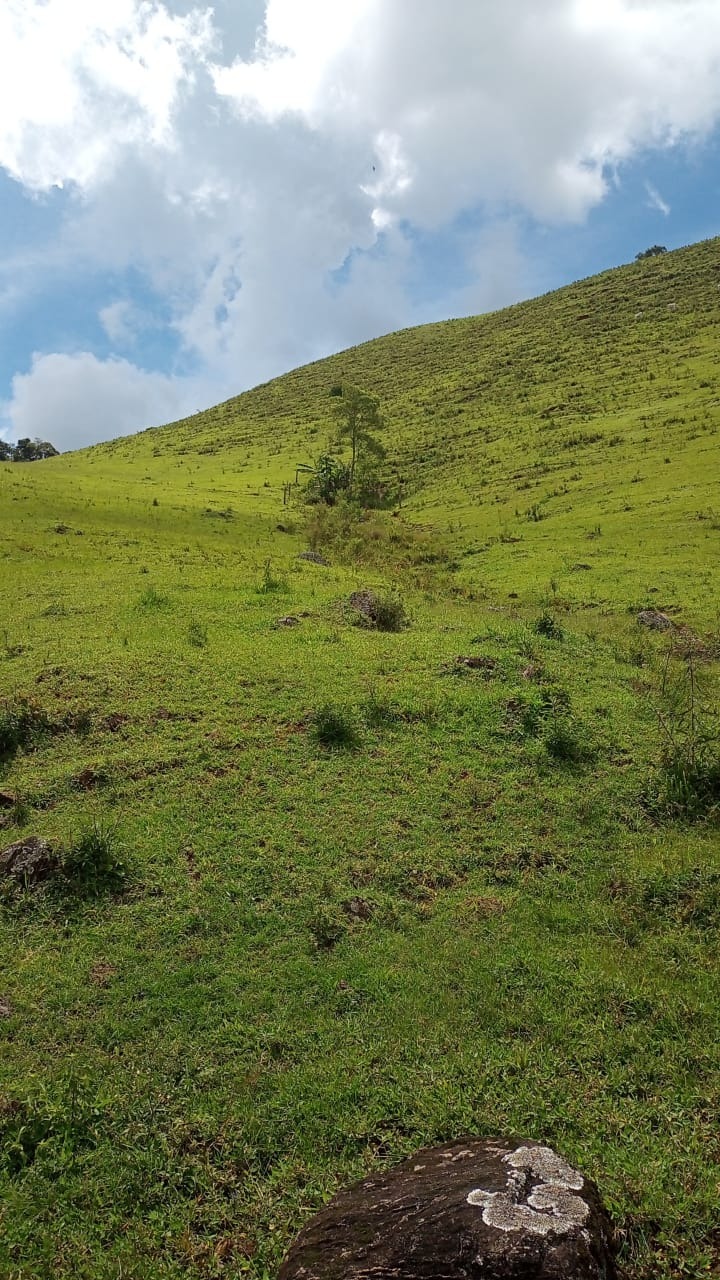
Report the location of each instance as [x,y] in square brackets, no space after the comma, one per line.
[687,781]
[94,863]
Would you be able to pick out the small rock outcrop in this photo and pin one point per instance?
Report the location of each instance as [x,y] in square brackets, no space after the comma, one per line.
[28,861]
[473,1210]
[655,620]
[364,602]
[313,557]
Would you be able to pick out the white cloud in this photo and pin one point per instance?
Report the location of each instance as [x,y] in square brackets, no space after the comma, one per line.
[80,81]
[237,169]
[655,200]
[78,399]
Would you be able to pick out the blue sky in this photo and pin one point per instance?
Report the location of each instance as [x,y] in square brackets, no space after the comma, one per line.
[192,201]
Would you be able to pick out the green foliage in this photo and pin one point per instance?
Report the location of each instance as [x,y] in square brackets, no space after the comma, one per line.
[22,723]
[655,251]
[27,450]
[548,626]
[330,478]
[270,583]
[357,415]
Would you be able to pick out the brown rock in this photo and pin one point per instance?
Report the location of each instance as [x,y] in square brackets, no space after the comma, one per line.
[7,799]
[472,1210]
[29,860]
[5,1008]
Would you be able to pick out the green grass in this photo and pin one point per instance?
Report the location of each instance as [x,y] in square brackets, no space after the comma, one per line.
[288,963]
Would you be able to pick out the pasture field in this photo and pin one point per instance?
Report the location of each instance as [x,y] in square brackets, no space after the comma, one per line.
[330,894]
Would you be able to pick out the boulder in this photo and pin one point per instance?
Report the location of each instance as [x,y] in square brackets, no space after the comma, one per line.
[28,861]
[655,620]
[476,1209]
[365,602]
[313,557]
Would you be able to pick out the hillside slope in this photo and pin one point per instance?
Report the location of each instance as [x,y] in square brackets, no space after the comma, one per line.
[317,893]
[587,416]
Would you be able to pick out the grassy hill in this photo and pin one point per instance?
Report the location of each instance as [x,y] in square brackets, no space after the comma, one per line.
[324,893]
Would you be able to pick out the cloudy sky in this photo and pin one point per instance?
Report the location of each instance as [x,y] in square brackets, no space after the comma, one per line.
[194,199]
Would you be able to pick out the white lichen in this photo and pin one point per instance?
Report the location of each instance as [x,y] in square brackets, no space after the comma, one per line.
[539,1196]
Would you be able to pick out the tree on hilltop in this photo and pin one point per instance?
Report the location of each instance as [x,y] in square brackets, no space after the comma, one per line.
[27,450]
[653,252]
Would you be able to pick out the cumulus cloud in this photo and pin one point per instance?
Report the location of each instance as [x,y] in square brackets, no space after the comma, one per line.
[78,399]
[267,168]
[81,81]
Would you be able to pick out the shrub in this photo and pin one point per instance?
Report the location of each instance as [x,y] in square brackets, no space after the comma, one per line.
[335,728]
[546,625]
[384,611]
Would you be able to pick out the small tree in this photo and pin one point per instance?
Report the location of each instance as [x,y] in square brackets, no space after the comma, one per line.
[7,452]
[358,417]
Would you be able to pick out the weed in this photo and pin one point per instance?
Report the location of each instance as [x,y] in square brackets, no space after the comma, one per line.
[335,728]
[11,650]
[22,723]
[151,599]
[197,635]
[546,625]
[383,611]
[49,1129]
[380,713]
[94,863]
[269,582]
[563,744]
[327,928]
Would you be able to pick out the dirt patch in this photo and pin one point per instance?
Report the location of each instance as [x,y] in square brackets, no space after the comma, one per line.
[102,974]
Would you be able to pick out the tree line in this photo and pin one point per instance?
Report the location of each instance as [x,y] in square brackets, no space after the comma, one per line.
[27,450]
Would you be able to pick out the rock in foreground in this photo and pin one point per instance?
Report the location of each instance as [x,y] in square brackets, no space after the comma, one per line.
[28,861]
[475,1209]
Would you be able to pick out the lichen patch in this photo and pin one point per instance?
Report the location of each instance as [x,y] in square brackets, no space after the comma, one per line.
[539,1196]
